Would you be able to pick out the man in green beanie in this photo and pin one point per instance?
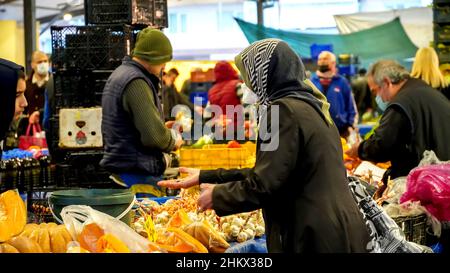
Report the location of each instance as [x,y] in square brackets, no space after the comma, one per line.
[134,134]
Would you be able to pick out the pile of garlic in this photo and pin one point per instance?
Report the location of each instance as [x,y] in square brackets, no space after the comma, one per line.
[242,227]
[238,227]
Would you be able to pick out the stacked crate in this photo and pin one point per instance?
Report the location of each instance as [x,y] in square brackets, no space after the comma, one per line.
[201,82]
[83,58]
[441,23]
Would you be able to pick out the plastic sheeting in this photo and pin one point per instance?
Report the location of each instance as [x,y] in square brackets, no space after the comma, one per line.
[418,22]
[387,41]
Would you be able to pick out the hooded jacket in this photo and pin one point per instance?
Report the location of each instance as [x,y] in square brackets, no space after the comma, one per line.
[301,183]
[223,92]
[8,80]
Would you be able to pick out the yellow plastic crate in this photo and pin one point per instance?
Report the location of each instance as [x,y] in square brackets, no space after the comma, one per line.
[215,156]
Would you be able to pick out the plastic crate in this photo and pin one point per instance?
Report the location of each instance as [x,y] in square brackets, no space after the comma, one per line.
[316,49]
[79,89]
[82,170]
[203,76]
[218,156]
[347,70]
[440,2]
[144,12]
[443,54]
[201,86]
[202,96]
[414,228]
[442,33]
[441,13]
[90,47]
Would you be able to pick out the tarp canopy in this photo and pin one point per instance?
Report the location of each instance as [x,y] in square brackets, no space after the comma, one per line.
[418,22]
[386,41]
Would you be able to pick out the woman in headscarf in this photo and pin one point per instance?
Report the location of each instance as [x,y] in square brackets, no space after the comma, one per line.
[301,185]
[12,98]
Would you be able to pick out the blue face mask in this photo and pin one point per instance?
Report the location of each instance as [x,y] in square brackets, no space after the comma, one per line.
[381,104]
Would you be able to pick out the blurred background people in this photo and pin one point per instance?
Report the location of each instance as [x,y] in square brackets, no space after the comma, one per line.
[364,99]
[170,95]
[338,92]
[426,68]
[37,86]
[226,92]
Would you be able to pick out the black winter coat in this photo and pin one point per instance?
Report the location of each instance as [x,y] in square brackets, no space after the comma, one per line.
[301,187]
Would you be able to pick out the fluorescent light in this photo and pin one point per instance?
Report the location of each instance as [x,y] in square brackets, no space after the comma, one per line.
[67,17]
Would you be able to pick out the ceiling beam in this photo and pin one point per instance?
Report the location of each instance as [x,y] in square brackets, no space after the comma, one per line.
[4,2]
[49,18]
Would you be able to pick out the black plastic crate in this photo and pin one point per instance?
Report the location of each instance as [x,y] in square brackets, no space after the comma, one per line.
[441,13]
[82,169]
[90,47]
[140,12]
[201,86]
[414,228]
[79,89]
[442,33]
[441,2]
[443,52]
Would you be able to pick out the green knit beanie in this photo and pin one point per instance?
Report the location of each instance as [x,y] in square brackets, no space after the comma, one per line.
[152,46]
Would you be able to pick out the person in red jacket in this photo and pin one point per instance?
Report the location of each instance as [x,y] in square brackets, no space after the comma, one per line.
[225,92]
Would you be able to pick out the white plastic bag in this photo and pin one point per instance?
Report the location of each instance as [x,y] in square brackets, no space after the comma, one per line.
[75,217]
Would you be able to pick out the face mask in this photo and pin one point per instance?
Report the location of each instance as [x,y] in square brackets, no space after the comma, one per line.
[324,68]
[248,96]
[381,104]
[42,68]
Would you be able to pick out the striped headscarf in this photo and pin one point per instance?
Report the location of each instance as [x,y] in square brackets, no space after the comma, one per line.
[273,70]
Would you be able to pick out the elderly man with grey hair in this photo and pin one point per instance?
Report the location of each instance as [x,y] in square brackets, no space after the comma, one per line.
[416,119]
[338,92]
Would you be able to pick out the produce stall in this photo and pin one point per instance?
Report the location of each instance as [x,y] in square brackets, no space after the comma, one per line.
[171,224]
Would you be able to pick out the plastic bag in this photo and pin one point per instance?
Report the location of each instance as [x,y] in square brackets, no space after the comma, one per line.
[37,139]
[430,158]
[431,186]
[175,240]
[396,188]
[76,217]
[205,234]
[250,246]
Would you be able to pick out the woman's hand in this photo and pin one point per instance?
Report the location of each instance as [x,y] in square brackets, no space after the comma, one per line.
[34,118]
[205,200]
[191,180]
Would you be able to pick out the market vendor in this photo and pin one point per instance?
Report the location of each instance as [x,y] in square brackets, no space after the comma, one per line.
[135,136]
[12,95]
[301,185]
[416,119]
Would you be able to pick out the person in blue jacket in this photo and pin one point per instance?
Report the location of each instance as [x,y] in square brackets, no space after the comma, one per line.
[338,92]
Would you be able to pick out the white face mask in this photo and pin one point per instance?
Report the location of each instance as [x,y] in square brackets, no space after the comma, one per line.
[248,96]
[42,68]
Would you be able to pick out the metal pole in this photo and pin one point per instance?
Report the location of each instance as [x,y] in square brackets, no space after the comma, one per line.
[29,22]
[260,12]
